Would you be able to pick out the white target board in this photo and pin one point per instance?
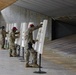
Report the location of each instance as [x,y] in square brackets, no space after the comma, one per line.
[41,37]
[24,28]
[38,37]
[7,27]
[10,27]
[19,40]
[22,37]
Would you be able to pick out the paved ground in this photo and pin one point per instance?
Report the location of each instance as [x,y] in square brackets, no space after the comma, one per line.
[62,51]
[13,66]
[59,58]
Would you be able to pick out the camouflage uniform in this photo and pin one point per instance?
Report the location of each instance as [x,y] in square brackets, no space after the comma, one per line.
[3,32]
[30,41]
[12,45]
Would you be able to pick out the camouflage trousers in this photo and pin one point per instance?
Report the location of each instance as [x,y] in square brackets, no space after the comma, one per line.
[3,42]
[34,55]
[12,50]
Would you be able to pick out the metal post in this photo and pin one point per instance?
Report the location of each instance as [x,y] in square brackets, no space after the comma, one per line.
[22,60]
[39,62]
[40,72]
[18,51]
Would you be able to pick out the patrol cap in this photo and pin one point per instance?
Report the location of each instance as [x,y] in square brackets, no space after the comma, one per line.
[31,25]
[14,28]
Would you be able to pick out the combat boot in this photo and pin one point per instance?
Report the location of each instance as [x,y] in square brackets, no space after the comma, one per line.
[27,65]
[14,55]
[11,55]
[35,65]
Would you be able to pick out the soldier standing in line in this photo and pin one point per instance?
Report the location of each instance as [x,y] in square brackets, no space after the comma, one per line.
[30,41]
[3,33]
[12,45]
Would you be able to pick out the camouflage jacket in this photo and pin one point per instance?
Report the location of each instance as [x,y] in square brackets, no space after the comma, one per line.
[3,32]
[29,34]
[13,37]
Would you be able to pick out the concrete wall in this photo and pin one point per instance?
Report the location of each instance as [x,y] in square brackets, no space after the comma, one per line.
[16,14]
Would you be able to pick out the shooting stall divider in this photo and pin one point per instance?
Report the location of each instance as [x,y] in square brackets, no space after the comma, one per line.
[39,45]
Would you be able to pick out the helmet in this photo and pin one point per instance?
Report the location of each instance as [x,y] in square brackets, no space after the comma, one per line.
[31,25]
[14,28]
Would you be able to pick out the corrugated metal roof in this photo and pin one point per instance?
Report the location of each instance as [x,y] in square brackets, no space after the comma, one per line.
[5,3]
[53,8]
